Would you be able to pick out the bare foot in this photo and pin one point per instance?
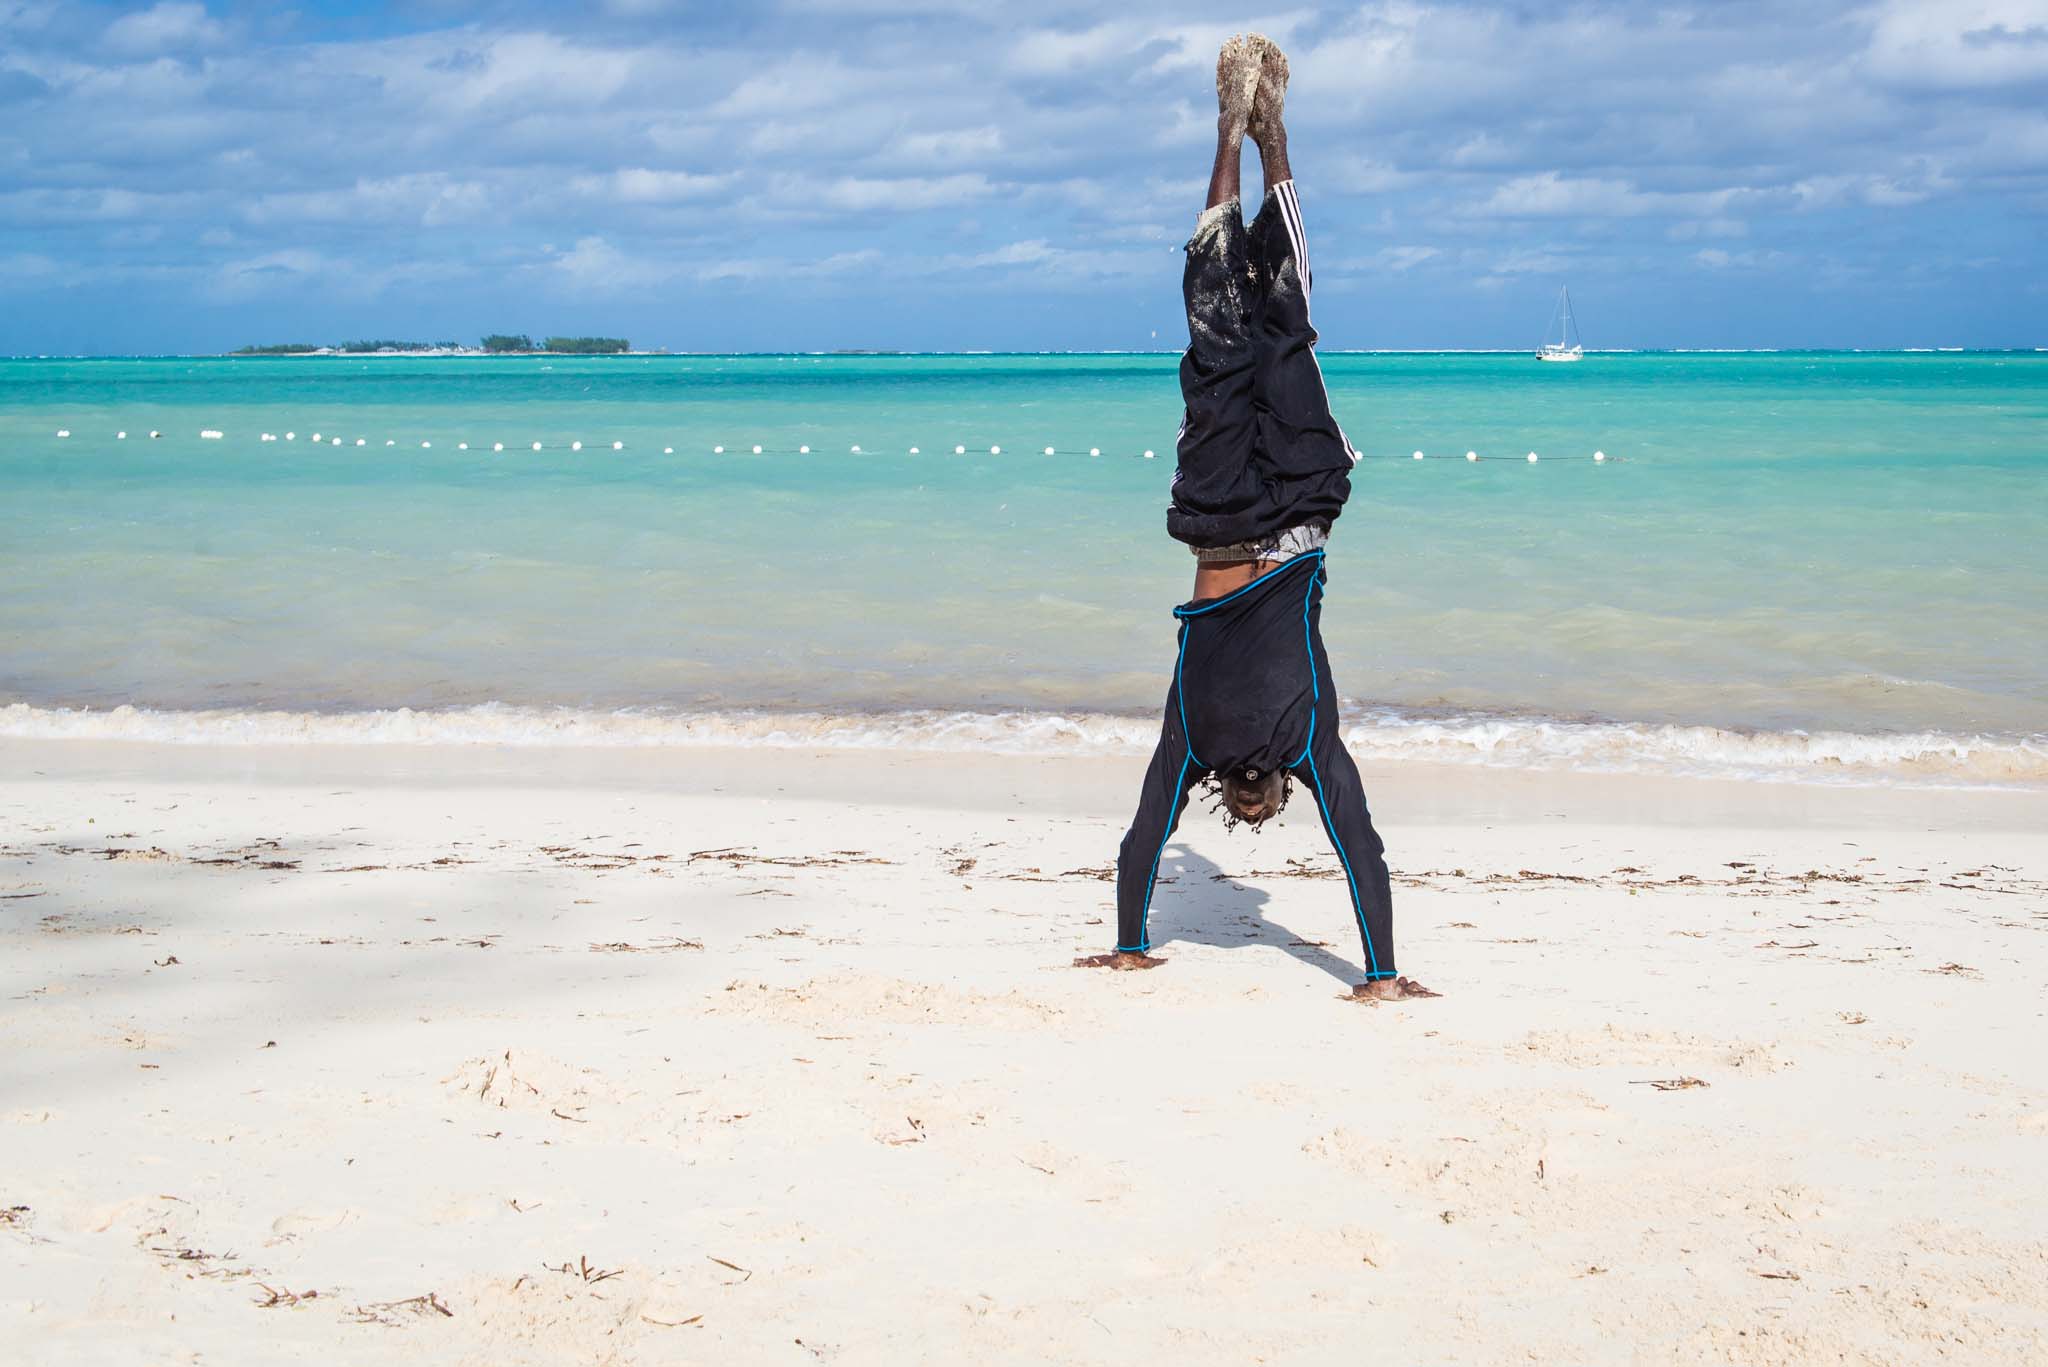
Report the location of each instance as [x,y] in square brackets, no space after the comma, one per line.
[1237,85]
[1270,102]
[1122,960]
[1391,990]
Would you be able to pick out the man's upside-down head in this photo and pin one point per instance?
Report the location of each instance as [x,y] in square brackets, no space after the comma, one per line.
[1252,795]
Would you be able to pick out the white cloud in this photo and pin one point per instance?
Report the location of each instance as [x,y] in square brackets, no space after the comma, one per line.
[169,26]
[429,199]
[639,185]
[596,264]
[1716,259]
[954,144]
[1550,194]
[1959,44]
[771,268]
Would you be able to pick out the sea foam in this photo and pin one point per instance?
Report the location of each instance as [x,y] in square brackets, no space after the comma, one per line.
[1373,734]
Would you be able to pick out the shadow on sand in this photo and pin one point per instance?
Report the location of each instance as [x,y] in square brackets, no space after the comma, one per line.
[1206,906]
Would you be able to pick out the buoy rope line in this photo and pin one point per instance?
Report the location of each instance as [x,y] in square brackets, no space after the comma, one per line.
[760,449]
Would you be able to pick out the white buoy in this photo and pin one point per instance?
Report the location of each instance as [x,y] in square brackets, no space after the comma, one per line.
[913,450]
[1599,455]
[1418,455]
[1095,450]
[575,446]
[1148,455]
[668,450]
[995,450]
[209,434]
[718,450]
[856,449]
[497,446]
[291,436]
[335,442]
[1471,455]
[462,446]
[426,446]
[391,441]
[959,450]
[63,431]
[154,434]
[1048,450]
[618,446]
[1532,457]
[316,436]
[361,442]
[805,450]
[757,450]
[120,436]
[536,446]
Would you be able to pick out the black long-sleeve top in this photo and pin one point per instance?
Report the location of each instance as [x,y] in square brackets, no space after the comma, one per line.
[1252,692]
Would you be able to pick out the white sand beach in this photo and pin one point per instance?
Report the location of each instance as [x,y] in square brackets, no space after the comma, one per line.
[470,1055]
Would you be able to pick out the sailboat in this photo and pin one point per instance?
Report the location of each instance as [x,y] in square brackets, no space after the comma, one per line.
[1567,347]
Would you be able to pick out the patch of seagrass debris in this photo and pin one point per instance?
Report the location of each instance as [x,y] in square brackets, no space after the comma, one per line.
[740,856]
[1743,877]
[1670,1084]
[660,944]
[1101,873]
[600,861]
[394,1312]
[1031,874]
[278,1295]
[584,1269]
[489,941]
[1294,868]
[1957,971]
[260,854]
[196,1262]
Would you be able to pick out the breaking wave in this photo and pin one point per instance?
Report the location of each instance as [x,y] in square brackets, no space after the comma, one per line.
[1374,734]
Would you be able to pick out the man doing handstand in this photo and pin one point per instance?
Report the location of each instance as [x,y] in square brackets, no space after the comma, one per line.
[1264,472]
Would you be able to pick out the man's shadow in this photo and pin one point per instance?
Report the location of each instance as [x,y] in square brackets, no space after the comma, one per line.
[1206,906]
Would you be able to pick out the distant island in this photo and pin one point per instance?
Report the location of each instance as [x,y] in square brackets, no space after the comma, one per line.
[497,344]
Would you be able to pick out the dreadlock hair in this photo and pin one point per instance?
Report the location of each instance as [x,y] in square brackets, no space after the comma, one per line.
[1225,791]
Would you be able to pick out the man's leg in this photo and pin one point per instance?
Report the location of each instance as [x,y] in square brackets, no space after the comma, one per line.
[1216,483]
[1302,448]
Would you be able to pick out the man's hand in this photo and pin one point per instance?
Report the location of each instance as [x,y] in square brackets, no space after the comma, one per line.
[1122,960]
[1391,990]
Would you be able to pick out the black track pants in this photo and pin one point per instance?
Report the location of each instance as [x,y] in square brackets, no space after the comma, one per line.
[1259,449]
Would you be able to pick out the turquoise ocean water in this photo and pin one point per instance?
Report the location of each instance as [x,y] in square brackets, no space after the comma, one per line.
[1809,565]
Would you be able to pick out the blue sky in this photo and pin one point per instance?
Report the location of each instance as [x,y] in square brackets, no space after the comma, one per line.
[905,173]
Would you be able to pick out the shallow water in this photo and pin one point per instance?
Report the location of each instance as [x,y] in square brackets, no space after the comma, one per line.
[1782,543]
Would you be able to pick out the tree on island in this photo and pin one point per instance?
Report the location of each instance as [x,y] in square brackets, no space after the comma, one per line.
[587,346]
[499,343]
